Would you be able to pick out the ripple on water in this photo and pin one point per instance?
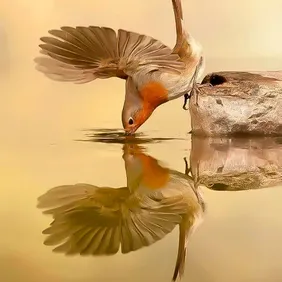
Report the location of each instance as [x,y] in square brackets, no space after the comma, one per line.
[117,136]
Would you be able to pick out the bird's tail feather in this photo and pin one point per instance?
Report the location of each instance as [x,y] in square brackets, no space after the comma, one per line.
[188,49]
[180,32]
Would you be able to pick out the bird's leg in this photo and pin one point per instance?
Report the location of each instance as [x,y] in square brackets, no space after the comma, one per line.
[187,168]
[187,96]
[193,90]
[197,88]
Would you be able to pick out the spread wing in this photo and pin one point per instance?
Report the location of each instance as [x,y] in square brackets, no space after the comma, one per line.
[83,54]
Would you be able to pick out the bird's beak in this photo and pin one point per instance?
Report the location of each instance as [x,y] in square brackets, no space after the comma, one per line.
[131,130]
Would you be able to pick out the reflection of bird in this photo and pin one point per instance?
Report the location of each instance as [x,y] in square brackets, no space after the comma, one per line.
[154,73]
[91,220]
[173,187]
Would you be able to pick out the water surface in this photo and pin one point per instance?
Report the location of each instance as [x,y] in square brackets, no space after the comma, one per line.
[94,173]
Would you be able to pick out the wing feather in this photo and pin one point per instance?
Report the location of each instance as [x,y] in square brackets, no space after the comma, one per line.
[82,54]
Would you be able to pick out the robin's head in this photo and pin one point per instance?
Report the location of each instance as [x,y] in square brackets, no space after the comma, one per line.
[134,115]
[140,104]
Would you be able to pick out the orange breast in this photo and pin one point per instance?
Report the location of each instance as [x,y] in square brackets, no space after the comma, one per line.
[154,93]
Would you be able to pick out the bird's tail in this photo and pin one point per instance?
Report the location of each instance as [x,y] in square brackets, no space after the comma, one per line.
[188,49]
[180,32]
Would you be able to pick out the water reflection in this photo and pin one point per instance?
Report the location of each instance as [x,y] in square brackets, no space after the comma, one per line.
[90,220]
[93,220]
[233,164]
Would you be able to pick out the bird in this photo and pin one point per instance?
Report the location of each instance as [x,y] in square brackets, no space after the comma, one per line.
[98,221]
[153,72]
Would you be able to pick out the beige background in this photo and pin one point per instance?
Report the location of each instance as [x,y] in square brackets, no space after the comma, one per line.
[40,118]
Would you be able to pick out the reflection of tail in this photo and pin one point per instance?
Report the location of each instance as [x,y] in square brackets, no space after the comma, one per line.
[186,228]
[182,249]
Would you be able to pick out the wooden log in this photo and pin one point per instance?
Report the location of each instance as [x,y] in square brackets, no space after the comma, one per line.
[238,103]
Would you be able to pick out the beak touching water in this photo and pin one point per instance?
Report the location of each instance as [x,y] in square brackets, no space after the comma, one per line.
[130,130]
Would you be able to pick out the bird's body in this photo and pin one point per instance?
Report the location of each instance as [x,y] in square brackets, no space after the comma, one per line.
[154,73]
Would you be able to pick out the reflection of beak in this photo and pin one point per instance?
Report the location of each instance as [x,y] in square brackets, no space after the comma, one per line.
[129,131]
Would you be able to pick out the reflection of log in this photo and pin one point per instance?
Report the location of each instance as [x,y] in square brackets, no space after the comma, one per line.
[237,163]
[239,103]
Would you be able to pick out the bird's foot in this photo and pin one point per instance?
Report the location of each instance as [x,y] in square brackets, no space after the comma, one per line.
[187,168]
[204,85]
[195,90]
[186,98]
[198,89]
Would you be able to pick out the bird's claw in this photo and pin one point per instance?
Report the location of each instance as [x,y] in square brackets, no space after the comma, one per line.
[197,89]
[187,168]
[186,98]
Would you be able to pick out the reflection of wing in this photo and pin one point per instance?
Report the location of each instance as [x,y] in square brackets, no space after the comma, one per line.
[145,226]
[160,194]
[86,218]
[89,220]
[157,215]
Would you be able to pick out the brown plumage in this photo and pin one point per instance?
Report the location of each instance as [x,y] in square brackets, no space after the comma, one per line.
[154,73]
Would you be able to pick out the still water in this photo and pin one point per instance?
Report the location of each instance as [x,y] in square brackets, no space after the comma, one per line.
[102,207]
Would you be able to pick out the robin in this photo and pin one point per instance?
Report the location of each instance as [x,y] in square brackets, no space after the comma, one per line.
[154,73]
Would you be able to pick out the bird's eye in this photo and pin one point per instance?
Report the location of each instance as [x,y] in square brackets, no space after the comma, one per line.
[130,121]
